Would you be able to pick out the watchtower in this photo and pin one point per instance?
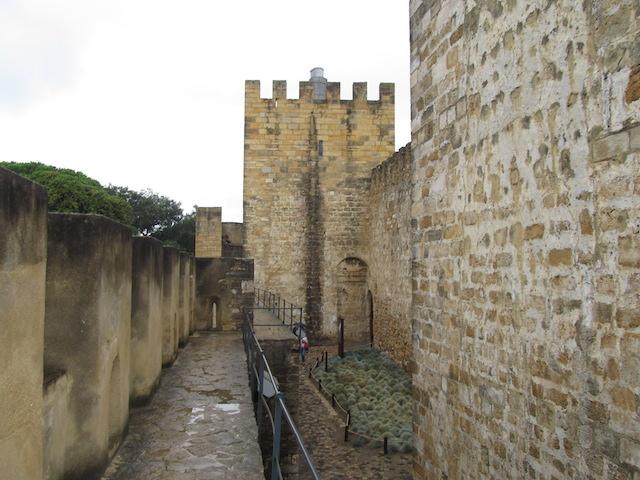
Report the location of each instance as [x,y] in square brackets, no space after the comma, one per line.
[306,170]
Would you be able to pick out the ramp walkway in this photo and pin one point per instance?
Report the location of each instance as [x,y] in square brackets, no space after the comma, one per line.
[200,423]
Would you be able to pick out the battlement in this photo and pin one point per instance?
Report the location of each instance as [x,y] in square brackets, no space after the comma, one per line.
[333,90]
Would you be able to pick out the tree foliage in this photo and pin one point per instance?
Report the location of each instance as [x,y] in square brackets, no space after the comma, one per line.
[71,191]
[152,212]
[146,211]
[181,234]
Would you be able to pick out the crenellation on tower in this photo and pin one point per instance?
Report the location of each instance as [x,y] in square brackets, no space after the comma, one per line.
[321,93]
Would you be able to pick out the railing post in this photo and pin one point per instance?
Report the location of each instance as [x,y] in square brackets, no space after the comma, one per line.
[260,389]
[277,430]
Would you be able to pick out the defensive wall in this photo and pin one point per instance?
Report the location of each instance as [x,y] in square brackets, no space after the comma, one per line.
[526,203]
[90,314]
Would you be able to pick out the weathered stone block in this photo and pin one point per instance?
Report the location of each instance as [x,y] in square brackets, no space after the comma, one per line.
[563,256]
[23,245]
[629,251]
[611,146]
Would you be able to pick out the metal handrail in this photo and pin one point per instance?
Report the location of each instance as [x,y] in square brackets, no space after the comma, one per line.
[253,347]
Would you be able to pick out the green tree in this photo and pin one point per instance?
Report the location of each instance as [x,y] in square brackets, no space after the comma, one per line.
[181,234]
[152,212]
[71,191]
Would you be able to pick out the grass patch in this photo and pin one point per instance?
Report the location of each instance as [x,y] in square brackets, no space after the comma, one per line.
[377,392]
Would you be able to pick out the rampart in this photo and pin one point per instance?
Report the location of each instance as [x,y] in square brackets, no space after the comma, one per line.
[90,315]
[525,276]
[23,247]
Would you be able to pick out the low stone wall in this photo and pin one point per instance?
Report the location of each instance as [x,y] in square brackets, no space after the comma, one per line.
[227,283]
[87,334]
[170,295]
[389,275]
[146,318]
[23,244]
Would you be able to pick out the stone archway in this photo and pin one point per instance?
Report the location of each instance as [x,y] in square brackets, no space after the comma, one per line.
[352,300]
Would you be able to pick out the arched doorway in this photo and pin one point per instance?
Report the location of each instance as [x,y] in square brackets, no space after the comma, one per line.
[352,300]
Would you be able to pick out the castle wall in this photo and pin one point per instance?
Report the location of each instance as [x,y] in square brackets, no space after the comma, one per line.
[227,282]
[526,202]
[146,318]
[389,240]
[23,243]
[232,239]
[208,232]
[170,304]
[87,333]
[306,169]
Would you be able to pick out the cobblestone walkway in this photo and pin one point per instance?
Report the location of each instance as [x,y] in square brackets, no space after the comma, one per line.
[200,423]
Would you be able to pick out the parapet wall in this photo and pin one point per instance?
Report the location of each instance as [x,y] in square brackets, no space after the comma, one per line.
[87,333]
[83,312]
[389,241]
[23,246]
[526,152]
[146,318]
[170,304]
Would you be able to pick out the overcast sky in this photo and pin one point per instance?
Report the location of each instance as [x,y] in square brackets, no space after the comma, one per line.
[149,93]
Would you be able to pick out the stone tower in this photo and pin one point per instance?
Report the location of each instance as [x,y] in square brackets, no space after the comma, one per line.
[208,232]
[306,171]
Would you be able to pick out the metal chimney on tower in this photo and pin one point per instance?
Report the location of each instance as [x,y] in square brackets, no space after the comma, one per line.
[319,84]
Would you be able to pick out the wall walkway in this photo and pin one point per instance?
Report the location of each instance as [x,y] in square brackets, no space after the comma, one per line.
[200,424]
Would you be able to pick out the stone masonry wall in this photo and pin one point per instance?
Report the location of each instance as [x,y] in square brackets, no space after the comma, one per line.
[306,170]
[227,282]
[208,232]
[389,239]
[23,247]
[526,268]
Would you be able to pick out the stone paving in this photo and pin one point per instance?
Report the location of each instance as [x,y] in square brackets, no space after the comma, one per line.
[200,423]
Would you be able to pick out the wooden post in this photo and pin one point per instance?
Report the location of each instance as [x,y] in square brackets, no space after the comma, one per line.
[386,446]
